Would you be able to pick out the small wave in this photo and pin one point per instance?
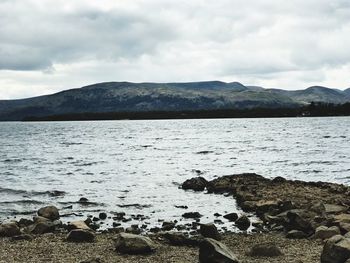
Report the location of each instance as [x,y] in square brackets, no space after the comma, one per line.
[22,202]
[138,206]
[31,193]
[204,152]
[71,143]
[16,160]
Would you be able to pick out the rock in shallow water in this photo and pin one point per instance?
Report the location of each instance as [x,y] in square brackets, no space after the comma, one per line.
[243,222]
[49,212]
[210,231]
[196,184]
[133,244]
[212,251]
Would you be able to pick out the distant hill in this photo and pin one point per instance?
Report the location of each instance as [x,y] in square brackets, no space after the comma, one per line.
[141,97]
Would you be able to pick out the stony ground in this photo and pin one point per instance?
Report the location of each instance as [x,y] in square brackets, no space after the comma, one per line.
[53,248]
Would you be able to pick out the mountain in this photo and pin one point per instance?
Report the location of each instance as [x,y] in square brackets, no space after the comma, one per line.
[135,97]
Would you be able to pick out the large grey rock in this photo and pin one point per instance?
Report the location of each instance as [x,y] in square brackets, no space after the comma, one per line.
[179,239]
[80,235]
[210,231]
[49,212]
[265,250]
[336,250]
[323,232]
[9,230]
[196,184]
[78,225]
[212,251]
[134,244]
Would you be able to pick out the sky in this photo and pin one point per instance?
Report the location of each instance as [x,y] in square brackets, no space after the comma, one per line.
[52,45]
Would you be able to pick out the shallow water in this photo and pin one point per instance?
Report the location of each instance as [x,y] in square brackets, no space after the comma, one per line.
[118,163]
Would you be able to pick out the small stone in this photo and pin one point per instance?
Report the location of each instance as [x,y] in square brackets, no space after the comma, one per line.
[166,226]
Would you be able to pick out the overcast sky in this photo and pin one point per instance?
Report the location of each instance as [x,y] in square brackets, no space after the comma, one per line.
[52,45]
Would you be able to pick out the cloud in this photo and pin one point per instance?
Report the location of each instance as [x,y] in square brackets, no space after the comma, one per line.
[53,45]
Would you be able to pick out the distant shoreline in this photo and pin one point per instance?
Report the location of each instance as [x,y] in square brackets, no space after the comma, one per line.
[311,110]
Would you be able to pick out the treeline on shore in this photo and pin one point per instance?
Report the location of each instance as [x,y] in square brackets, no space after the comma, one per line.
[314,109]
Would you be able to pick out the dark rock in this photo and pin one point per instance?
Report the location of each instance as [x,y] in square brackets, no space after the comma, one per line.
[296,221]
[9,230]
[80,235]
[210,231]
[243,222]
[49,212]
[192,215]
[296,234]
[217,215]
[212,251]
[265,250]
[134,244]
[336,250]
[166,226]
[196,184]
[231,216]
[102,216]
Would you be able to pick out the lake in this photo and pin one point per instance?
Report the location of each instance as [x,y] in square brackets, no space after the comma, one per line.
[137,167]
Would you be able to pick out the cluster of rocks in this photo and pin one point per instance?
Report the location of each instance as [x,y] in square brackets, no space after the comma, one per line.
[299,209]
[47,221]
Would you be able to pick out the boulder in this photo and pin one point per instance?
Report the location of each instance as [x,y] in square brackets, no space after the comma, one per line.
[9,230]
[196,184]
[42,228]
[78,225]
[210,231]
[342,218]
[243,222]
[336,250]
[344,227]
[298,221]
[80,235]
[212,251]
[265,250]
[133,244]
[49,212]
[231,216]
[323,232]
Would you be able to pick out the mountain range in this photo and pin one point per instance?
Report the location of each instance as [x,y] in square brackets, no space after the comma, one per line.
[141,97]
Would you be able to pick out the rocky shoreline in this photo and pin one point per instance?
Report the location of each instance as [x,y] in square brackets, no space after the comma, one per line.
[297,222]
